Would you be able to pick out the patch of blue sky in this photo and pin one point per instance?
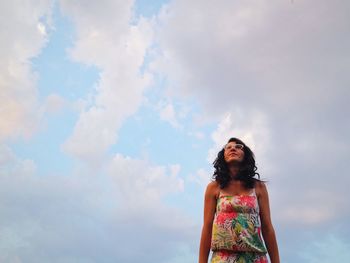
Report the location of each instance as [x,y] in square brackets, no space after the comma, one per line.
[158,93]
[146,136]
[330,248]
[147,8]
[57,75]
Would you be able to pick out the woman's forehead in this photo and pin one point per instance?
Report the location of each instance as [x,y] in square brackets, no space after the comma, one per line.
[232,143]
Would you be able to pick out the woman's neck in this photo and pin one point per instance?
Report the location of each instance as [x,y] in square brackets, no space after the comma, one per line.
[234,169]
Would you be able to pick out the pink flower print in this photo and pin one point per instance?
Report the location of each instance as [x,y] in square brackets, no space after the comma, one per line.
[223,217]
[224,255]
[227,207]
[247,200]
[261,260]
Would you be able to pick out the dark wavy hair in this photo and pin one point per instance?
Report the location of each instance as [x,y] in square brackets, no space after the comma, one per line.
[247,170]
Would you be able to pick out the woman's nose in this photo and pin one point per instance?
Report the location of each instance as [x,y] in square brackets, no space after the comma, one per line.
[233,148]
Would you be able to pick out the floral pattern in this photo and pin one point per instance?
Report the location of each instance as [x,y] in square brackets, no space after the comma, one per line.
[224,256]
[236,230]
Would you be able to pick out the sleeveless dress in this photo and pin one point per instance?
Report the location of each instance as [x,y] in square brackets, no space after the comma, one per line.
[236,233]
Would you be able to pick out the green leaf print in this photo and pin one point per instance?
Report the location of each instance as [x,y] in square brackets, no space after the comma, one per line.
[242,220]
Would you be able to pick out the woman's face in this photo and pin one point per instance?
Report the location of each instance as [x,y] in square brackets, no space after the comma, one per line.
[233,152]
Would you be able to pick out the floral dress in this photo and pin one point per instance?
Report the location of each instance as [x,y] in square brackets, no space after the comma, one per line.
[236,234]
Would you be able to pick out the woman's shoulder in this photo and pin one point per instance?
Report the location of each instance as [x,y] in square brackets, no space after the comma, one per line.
[259,183]
[260,187]
[213,188]
[213,185]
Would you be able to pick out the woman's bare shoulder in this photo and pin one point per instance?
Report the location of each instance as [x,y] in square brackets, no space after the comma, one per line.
[260,188]
[213,188]
[260,184]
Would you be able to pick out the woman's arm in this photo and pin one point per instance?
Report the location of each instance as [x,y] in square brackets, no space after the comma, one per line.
[209,212]
[267,229]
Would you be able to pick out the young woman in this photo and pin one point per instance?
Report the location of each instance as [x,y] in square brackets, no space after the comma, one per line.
[236,211]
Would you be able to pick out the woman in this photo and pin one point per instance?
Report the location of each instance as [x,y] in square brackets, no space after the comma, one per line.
[236,211]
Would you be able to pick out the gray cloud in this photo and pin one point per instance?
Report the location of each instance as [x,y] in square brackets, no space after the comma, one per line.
[89,218]
[287,61]
[261,54]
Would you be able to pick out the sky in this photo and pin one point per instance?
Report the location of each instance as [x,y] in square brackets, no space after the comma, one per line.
[112,112]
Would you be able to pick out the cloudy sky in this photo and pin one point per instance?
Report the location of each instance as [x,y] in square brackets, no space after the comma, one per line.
[111,113]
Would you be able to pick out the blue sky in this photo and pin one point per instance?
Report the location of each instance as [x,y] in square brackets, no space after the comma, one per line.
[112,113]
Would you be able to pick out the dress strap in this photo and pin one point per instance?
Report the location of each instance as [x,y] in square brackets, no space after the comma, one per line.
[254,193]
[219,195]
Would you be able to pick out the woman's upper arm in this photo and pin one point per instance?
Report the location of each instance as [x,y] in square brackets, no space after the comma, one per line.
[210,198]
[264,206]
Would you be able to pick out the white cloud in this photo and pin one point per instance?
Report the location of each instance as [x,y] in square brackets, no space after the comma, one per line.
[107,38]
[304,214]
[42,29]
[11,164]
[201,177]
[21,40]
[81,217]
[167,113]
[152,183]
